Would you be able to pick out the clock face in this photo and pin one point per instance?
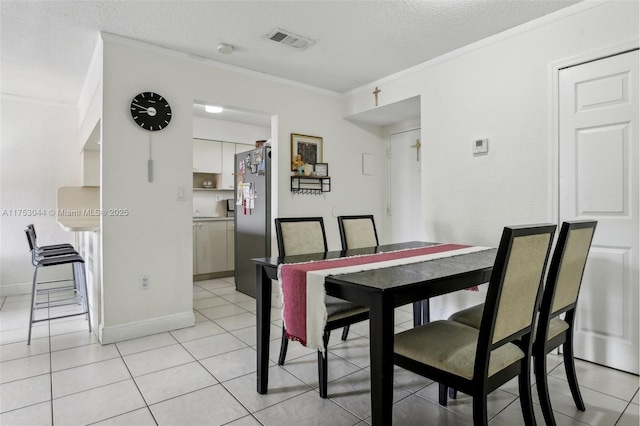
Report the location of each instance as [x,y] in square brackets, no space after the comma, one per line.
[151,111]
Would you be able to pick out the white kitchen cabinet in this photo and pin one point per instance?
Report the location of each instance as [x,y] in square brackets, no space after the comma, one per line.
[228,162]
[207,156]
[210,246]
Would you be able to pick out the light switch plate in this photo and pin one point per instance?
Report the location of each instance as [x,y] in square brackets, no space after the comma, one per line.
[181,196]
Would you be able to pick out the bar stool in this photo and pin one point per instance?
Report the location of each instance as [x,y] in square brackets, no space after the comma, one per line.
[43,257]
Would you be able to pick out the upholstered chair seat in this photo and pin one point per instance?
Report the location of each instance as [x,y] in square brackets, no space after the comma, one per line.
[451,347]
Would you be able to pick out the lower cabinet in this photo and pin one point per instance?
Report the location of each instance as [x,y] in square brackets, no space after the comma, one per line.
[210,247]
[231,244]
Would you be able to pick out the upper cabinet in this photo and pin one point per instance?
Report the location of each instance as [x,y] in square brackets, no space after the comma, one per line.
[216,158]
[207,156]
[228,160]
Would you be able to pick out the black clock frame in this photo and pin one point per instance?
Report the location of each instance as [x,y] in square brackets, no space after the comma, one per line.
[151,111]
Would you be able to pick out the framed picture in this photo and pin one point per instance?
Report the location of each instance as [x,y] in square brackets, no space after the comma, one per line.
[305,149]
[321,169]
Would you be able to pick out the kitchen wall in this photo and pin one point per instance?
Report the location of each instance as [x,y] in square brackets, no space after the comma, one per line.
[500,91]
[29,181]
[155,239]
[206,202]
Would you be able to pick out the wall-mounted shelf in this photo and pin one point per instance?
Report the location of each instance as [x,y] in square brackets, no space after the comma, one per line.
[316,185]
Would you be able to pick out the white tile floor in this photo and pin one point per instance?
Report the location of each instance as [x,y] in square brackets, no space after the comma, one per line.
[205,375]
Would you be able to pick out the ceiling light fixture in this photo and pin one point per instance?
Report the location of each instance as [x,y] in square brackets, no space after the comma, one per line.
[213,109]
[225,48]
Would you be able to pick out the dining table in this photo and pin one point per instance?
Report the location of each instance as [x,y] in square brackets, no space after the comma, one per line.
[381,290]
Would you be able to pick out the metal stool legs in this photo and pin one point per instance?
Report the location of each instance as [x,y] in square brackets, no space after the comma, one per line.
[78,289]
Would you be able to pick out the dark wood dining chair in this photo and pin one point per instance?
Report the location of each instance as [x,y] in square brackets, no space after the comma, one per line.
[560,296]
[304,235]
[478,361]
[357,231]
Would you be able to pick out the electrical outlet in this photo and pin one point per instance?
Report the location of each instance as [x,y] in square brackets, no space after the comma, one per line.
[145,282]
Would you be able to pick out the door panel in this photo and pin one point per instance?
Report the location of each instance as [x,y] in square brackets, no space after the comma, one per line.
[599,161]
[405,194]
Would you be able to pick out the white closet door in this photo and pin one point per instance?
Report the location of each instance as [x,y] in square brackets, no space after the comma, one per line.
[598,160]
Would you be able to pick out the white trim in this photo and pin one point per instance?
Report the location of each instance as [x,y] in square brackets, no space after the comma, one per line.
[92,81]
[496,38]
[554,69]
[113,38]
[137,329]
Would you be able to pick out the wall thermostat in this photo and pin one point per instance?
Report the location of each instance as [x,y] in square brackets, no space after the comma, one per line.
[480,146]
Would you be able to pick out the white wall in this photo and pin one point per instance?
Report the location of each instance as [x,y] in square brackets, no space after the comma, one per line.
[500,91]
[32,135]
[155,239]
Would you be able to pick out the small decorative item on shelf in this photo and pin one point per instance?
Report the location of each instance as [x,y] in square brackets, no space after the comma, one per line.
[207,183]
[321,169]
[308,169]
[260,143]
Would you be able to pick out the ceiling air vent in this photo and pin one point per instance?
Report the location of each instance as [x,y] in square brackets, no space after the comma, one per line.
[290,39]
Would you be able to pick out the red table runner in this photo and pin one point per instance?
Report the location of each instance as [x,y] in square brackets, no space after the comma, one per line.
[302,285]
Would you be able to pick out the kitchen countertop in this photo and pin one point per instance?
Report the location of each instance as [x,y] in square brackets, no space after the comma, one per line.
[206,219]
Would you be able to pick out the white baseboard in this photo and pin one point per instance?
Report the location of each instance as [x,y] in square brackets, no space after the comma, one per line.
[133,330]
[15,289]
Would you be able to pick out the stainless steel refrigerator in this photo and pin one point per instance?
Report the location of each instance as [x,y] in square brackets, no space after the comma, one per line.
[252,214]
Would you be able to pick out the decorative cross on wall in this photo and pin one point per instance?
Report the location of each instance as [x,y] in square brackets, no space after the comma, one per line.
[375,93]
[417,147]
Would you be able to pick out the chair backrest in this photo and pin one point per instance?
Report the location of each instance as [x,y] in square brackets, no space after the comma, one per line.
[515,288]
[357,231]
[566,269]
[30,238]
[300,235]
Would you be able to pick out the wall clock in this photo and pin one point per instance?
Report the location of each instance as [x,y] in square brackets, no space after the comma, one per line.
[150,111]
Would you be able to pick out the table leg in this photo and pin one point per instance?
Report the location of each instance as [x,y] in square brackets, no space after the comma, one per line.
[263,319]
[381,318]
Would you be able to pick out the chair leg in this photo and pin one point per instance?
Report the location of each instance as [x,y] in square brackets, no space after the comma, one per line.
[542,385]
[570,368]
[85,294]
[417,313]
[442,394]
[345,332]
[453,393]
[524,387]
[426,311]
[34,291]
[323,366]
[421,312]
[480,410]
[284,344]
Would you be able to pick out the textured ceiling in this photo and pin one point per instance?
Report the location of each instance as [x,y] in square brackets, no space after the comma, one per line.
[46,46]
